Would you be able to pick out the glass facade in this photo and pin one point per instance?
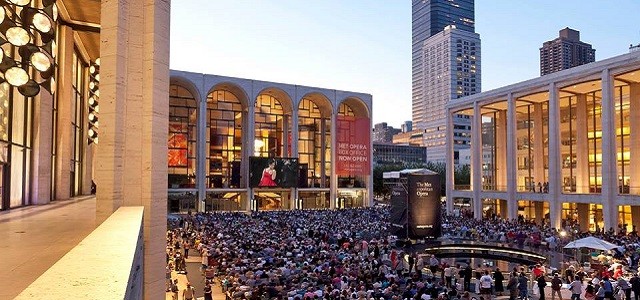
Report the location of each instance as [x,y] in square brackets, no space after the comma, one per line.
[77,122]
[272,125]
[314,145]
[596,137]
[182,138]
[224,140]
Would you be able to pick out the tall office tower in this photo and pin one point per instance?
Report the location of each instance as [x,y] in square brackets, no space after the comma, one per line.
[564,52]
[451,70]
[428,18]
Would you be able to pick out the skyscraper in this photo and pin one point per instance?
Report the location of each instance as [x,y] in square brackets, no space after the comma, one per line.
[446,65]
[564,52]
[428,18]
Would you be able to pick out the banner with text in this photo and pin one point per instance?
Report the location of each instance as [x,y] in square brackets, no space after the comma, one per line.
[353,156]
[425,219]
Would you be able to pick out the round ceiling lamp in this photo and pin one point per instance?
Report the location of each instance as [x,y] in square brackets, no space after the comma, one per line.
[28,26]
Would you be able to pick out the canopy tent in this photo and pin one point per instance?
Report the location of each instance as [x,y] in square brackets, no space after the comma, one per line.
[592,243]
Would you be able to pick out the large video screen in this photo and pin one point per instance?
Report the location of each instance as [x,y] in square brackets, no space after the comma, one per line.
[273,172]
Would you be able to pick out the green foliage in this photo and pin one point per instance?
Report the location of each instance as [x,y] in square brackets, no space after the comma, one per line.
[462,175]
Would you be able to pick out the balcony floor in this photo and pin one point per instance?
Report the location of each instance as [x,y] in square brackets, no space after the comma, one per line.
[33,238]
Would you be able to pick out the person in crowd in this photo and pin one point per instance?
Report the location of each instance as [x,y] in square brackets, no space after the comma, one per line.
[523,286]
[556,285]
[512,286]
[189,293]
[498,279]
[635,286]
[541,284]
[576,288]
[485,285]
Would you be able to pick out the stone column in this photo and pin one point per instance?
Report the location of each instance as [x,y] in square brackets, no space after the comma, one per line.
[538,207]
[450,167]
[476,160]
[555,161]
[511,159]
[501,151]
[134,51]
[323,149]
[609,162]
[42,141]
[285,137]
[581,148]
[64,135]
[538,146]
[201,152]
[635,216]
[333,192]
[634,140]
[503,208]
[249,146]
[583,216]
[294,146]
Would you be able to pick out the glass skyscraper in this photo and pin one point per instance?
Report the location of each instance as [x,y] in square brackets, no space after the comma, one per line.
[428,18]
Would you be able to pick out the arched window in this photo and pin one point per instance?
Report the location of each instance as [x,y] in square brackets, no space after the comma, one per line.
[182,138]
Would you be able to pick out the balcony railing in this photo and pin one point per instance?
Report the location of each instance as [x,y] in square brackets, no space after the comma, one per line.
[107,264]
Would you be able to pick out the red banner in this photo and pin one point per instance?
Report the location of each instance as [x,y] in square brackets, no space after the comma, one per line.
[353,156]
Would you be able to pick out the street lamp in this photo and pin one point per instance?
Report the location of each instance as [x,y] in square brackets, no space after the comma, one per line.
[29,27]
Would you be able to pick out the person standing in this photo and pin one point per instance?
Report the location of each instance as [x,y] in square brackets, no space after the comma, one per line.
[189,293]
[556,285]
[541,285]
[625,287]
[635,286]
[468,272]
[485,285]
[523,287]
[512,286]
[208,292]
[498,281]
[576,288]
[174,289]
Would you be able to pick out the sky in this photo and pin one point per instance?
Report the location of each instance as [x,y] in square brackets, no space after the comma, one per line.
[365,46]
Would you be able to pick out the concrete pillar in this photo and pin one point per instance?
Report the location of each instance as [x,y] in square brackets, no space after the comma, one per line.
[511,159]
[449,165]
[201,152]
[294,146]
[555,161]
[42,141]
[249,146]
[64,134]
[583,216]
[323,150]
[538,146]
[635,216]
[476,160]
[503,208]
[501,151]
[581,148]
[538,207]
[333,191]
[134,51]
[609,162]
[370,176]
[285,136]
[634,140]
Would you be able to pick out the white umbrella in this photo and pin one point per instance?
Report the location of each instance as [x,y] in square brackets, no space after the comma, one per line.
[592,243]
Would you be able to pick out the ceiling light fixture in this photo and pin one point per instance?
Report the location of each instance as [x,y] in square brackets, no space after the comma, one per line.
[29,26]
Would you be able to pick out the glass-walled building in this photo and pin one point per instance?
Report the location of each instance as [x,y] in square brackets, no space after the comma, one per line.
[558,149]
[241,144]
[45,150]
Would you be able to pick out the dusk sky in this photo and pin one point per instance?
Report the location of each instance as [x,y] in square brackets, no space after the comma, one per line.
[365,46]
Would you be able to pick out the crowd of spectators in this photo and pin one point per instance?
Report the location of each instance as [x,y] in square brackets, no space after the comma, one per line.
[349,254]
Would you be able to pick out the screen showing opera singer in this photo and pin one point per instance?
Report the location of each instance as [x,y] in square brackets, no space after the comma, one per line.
[273,172]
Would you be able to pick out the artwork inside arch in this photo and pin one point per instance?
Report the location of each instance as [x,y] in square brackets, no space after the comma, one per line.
[274,172]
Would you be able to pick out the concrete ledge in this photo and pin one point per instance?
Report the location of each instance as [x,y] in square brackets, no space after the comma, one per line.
[107,264]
